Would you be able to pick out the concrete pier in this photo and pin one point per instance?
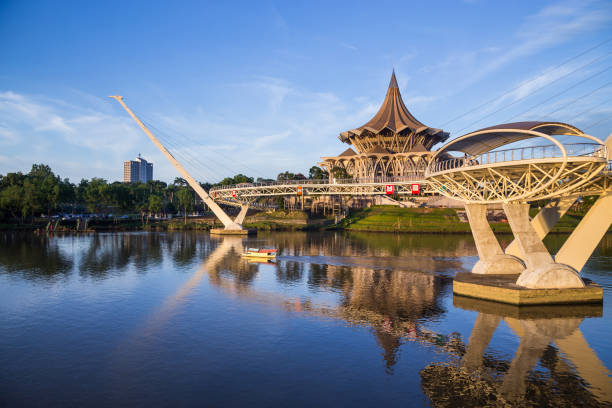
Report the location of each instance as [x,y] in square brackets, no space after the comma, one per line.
[492,257]
[541,270]
[222,231]
[504,289]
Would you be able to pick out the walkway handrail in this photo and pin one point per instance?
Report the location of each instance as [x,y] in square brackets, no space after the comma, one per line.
[549,151]
[417,176]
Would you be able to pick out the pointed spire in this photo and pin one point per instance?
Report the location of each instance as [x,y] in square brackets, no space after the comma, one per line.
[394,116]
[393,82]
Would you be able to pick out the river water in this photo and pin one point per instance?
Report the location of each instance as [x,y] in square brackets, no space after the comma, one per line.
[179,319]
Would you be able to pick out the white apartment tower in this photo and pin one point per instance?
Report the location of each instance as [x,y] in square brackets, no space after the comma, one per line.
[138,170]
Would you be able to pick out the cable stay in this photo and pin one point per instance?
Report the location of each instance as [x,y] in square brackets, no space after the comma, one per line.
[228,223]
[533,92]
[560,93]
[526,83]
[187,138]
[577,99]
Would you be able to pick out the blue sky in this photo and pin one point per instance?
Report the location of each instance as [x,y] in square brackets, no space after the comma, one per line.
[263,87]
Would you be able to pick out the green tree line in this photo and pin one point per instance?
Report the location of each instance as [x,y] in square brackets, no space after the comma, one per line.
[42,192]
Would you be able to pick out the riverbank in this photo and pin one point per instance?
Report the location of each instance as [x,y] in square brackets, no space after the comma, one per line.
[382,218]
[385,218]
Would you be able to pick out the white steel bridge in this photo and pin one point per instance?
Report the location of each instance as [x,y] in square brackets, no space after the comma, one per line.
[491,171]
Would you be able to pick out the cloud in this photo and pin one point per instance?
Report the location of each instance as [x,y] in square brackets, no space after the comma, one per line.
[348,46]
[549,27]
[8,136]
[281,127]
[77,142]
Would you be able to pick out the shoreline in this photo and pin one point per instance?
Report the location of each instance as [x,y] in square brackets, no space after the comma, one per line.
[379,219]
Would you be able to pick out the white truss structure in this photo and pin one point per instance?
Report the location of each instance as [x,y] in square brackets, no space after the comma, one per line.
[522,174]
[248,192]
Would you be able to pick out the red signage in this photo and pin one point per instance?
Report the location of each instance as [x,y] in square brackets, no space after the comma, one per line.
[233,193]
[299,190]
[389,189]
[215,194]
[415,189]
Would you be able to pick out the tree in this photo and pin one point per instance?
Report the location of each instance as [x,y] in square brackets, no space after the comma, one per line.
[185,201]
[45,188]
[11,200]
[285,176]
[237,179]
[179,181]
[155,204]
[317,173]
[120,195]
[96,194]
[340,173]
[67,193]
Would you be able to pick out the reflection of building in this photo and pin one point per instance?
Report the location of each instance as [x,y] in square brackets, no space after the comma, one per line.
[392,144]
[138,170]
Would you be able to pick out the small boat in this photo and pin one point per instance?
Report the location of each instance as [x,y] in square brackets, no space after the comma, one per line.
[262,253]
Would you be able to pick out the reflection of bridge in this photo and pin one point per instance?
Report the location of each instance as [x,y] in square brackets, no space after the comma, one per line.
[537,327]
[393,303]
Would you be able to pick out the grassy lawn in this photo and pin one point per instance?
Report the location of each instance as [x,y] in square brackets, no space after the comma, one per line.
[396,219]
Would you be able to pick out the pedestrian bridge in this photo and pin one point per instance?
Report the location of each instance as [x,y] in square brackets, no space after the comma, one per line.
[492,170]
[246,193]
[546,170]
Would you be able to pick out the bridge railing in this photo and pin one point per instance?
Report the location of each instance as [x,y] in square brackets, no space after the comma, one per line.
[521,153]
[417,176]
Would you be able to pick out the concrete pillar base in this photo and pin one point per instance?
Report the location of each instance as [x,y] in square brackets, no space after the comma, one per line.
[551,276]
[499,264]
[221,231]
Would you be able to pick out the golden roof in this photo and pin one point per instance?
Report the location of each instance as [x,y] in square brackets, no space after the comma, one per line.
[394,116]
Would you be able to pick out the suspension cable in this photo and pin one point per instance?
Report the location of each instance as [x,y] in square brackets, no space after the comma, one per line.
[533,92]
[547,71]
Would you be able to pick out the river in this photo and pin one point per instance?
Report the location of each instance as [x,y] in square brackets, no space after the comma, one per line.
[361,319]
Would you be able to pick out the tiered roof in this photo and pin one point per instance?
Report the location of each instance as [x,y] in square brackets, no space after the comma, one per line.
[394,116]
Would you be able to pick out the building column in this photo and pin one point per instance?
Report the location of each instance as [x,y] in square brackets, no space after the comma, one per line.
[492,257]
[541,271]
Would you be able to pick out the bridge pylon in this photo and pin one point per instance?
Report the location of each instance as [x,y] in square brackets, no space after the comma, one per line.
[231,227]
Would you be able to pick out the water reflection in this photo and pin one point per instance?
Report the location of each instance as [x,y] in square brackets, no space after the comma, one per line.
[569,371]
[33,257]
[395,287]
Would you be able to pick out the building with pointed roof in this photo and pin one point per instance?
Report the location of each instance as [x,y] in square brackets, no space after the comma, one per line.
[393,144]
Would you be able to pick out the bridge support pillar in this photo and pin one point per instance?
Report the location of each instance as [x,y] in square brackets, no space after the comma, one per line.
[541,272]
[544,221]
[242,214]
[492,257]
[576,251]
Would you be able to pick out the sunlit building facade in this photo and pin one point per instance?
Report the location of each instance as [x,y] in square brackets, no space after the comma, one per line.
[139,170]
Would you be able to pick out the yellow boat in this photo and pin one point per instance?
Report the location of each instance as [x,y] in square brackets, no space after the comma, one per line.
[260,253]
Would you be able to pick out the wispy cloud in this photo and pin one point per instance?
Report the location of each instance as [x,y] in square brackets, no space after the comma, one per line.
[77,142]
[348,46]
[549,27]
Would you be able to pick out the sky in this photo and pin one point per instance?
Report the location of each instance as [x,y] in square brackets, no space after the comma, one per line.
[264,87]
